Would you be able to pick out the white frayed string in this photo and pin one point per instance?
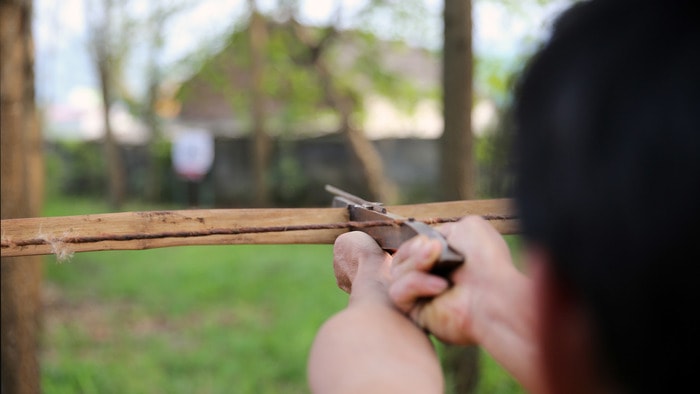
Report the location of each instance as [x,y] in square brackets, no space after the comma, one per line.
[58,247]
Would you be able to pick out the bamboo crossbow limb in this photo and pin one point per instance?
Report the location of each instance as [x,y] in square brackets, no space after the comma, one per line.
[156,229]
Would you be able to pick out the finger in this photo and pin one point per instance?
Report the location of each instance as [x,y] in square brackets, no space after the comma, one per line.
[346,251]
[441,323]
[415,286]
[355,240]
[420,253]
[356,252]
[462,229]
[476,238]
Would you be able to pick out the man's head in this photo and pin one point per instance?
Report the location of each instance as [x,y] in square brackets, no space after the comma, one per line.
[608,155]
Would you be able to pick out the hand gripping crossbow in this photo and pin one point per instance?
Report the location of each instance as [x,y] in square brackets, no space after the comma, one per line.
[398,230]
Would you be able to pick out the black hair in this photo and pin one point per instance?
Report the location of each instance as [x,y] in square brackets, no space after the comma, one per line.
[607,148]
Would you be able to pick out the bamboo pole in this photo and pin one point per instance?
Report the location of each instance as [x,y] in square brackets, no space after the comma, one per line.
[66,235]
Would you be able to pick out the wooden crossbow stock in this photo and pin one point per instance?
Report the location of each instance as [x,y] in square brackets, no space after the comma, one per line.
[66,235]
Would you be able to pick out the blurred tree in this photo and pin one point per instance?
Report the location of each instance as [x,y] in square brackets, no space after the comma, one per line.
[345,101]
[347,78]
[492,149]
[159,14]
[261,141]
[494,77]
[107,31]
[457,166]
[311,76]
[21,191]
[457,140]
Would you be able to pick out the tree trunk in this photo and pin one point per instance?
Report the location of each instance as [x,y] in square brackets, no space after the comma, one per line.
[152,187]
[462,368]
[261,140]
[457,141]
[106,62]
[458,172]
[380,188]
[371,165]
[21,191]
[160,13]
[115,167]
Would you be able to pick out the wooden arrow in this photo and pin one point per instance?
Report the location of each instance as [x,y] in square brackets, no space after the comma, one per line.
[66,235]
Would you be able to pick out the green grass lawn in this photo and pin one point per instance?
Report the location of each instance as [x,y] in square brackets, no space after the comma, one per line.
[205,319]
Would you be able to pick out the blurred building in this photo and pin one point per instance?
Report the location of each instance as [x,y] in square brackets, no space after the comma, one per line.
[214,97]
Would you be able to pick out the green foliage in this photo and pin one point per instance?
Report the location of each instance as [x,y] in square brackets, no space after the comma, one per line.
[294,91]
[75,168]
[55,171]
[494,380]
[495,162]
[494,81]
[289,177]
[367,70]
[493,78]
[411,21]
